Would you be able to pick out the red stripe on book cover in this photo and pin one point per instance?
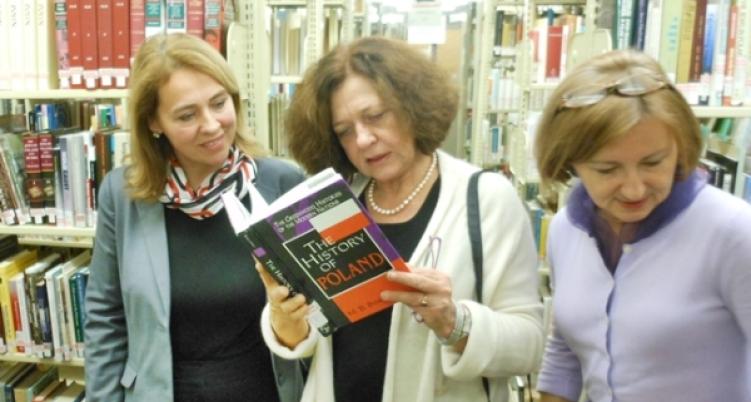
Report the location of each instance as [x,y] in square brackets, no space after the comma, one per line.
[365,299]
[344,228]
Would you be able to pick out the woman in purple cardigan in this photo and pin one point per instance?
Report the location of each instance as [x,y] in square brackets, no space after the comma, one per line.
[651,267]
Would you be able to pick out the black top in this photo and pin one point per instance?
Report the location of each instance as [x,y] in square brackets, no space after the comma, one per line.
[360,348]
[216,303]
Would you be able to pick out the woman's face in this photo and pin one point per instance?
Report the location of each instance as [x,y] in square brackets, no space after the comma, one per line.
[630,176]
[197,116]
[375,141]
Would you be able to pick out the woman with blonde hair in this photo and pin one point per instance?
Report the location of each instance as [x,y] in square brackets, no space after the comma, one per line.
[650,265]
[173,302]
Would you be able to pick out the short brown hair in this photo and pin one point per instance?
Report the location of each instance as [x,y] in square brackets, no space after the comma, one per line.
[570,135]
[157,59]
[411,85]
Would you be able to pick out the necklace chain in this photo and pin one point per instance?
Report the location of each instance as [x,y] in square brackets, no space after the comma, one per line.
[410,197]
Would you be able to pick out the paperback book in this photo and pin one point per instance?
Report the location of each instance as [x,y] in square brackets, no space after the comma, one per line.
[318,240]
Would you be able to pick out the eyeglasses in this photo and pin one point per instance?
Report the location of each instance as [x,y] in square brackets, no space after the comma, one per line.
[635,85]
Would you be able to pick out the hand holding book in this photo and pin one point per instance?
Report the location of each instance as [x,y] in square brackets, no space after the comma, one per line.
[317,239]
[288,314]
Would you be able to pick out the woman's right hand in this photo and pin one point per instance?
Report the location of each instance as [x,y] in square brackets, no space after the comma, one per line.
[288,314]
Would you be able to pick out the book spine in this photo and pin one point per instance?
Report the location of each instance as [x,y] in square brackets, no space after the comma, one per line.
[176,14]
[29,54]
[35,329]
[46,51]
[727,88]
[213,23]
[195,17]
[104,16]
[45,323]
[75,44]
[54,320]
[61,40]
[89,44]
[697,50]
[137,26]
[47,166]
[153,17]
[121,42]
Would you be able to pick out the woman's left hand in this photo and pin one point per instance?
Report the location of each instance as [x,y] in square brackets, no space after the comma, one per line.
[432,298]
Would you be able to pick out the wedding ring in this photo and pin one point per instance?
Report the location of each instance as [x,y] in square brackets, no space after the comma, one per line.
[418,318]
[424,301]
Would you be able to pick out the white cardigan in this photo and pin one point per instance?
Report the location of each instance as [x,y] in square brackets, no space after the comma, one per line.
[506,337]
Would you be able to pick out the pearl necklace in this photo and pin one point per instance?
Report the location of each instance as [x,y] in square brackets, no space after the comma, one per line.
[403,204]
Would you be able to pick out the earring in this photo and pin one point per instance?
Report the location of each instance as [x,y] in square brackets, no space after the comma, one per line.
[156,134]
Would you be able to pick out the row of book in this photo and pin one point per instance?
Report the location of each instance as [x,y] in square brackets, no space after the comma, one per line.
[703,45]
[51,44]
[28,382]
[52,176]
[550,36]
[42,300]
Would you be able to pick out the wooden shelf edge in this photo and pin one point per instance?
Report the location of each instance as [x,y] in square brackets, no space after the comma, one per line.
[65,94]
[14,357]
[46,230]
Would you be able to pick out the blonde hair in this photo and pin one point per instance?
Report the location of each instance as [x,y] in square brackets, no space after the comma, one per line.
[157,59]
[408,83]
[570,135]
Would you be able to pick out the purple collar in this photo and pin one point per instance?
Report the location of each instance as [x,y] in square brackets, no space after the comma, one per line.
[583,213]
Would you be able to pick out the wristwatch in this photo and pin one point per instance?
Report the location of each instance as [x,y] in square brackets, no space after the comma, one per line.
[462,325]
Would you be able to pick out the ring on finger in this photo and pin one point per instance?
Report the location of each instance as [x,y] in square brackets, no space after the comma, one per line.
[424,301]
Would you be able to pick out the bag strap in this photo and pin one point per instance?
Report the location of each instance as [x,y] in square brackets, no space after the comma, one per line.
[475,233]
[475,239]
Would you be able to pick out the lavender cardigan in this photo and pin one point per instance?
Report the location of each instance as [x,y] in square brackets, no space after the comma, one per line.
[672,323]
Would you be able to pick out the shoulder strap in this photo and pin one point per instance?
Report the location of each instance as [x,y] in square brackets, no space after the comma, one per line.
[475,233]
[475,239]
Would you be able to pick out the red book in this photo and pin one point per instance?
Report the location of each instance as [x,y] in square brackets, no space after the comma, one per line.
[89,49]
[137,26]
[212,24]
[104,17]
[697,42]
[47,167]
[727,88]
[33,182]
[553,59]
[121,42]
[195,17]
[74,44]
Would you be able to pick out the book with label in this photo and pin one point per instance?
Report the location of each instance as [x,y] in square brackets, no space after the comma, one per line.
[317,239]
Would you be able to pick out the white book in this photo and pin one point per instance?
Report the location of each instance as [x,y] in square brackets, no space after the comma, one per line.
[45,45]
[23,332]
[51,281]
[5,48]
[78,166]
[742,54]
[16,46]
[65,208]
[29,54]
[654,25]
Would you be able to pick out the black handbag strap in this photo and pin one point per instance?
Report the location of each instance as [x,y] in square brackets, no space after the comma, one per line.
[475,239]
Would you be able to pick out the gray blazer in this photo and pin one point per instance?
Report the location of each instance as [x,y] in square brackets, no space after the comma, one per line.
[128,350]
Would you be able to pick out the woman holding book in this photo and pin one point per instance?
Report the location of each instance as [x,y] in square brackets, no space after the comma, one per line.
[650,264]
[377,110]
[173,302]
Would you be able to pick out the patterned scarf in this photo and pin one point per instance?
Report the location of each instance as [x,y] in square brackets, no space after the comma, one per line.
[236,174]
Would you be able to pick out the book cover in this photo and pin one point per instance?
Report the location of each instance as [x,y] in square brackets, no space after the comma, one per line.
[319,240]
[9,268]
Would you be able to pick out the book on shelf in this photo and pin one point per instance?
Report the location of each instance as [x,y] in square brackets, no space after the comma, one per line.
[9,268]
[33,383]
[317,239]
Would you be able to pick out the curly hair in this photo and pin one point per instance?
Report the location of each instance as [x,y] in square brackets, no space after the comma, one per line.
[415,88]
[156,60]
[570,135]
